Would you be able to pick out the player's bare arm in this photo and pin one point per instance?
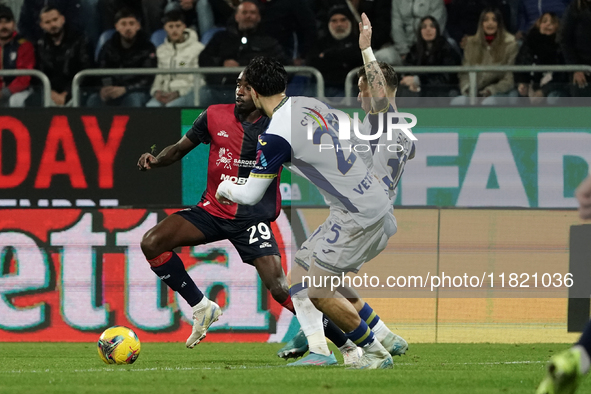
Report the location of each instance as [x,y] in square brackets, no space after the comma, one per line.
[375,77]
[167,156]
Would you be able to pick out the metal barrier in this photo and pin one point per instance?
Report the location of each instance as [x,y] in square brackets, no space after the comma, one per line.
[199,71]
[34,73]
[471,70]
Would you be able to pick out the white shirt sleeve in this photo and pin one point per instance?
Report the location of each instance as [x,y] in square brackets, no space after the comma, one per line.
[248,194]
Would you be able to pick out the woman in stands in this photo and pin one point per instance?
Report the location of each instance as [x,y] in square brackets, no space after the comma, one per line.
[491,45]
[431,49]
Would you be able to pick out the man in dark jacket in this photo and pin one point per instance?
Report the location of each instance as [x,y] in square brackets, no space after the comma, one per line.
[129,47]
[61,54]
[338,52]
[16,52]
[28,24]
[235,47]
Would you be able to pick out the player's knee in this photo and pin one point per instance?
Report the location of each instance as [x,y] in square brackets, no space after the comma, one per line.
[151,245]
[279,292]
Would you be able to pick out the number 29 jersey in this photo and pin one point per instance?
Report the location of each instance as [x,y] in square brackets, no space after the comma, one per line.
[327,162]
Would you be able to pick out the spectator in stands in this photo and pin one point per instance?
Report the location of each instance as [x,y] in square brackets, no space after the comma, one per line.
[189,10]
[431,49]
[492,45]
[61,54]
[129,47]
[235,47]
[180,50]
[28,24]
[15,6]
[576,43]
[199,14]
[337,53]
[149,12]
[16,52]
[406,17]
[540,47]
[378,11]
[282,19]
[465,14]
[530,11]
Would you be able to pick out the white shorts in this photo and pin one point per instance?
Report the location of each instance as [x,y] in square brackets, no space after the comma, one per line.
[341,245]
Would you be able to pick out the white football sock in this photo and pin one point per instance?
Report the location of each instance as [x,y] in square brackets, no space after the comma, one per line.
[201,304]
[375,347]
[380,330]
[585,360]
[310,319]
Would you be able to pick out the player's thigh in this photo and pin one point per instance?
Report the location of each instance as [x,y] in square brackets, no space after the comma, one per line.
[270,270]
[172,232]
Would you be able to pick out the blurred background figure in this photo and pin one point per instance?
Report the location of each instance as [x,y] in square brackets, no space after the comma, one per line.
[61,54]
[16,52]
[491,45]
[464,15]
[576,44]
[180,50]
[337,52]
[530,11]
[235,47]
[406,17]
[129,47]
[430,49]
[28,24]
[540,47]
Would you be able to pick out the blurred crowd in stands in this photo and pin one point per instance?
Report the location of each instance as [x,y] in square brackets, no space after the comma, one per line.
[62,37]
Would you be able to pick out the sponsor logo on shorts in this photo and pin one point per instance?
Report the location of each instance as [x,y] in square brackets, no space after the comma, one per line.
[265,245]
[327,251]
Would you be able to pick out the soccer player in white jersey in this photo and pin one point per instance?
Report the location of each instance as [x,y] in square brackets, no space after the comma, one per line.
[360,207]
[387,159]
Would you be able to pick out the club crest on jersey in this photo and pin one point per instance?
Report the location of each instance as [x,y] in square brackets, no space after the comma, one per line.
[225,158]
[263,143]
[222,133]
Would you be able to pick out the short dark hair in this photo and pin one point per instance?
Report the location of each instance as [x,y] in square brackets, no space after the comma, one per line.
[49,8]
[125,12]
[173,16]
[389,75]
[266,76]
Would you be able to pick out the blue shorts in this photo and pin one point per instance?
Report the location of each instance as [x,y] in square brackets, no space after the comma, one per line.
[252,238]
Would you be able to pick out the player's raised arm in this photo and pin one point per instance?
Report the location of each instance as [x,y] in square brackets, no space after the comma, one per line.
[167,156]
[375,77]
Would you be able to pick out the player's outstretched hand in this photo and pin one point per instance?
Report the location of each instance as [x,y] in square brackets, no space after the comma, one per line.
[146,161]
[583,194]
[364,32]
[223,199]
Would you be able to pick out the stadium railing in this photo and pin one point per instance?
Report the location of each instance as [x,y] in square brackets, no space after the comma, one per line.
[34,73]
[198,71]
[471,70]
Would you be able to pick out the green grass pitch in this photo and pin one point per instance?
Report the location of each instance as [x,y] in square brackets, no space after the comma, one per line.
[254,368]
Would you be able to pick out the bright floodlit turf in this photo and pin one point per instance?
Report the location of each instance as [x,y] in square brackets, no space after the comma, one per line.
[254,368]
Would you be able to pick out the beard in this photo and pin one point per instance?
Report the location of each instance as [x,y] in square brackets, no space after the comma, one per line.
[243,110]
[341,35]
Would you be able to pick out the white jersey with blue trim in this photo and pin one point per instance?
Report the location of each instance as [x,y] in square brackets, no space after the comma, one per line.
[389,155]
[303,134]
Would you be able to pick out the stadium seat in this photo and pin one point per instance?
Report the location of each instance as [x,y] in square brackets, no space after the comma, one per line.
[208,35]
[158,37]
[105,36]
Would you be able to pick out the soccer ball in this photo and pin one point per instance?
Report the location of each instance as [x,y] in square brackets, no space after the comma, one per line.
[118,345]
